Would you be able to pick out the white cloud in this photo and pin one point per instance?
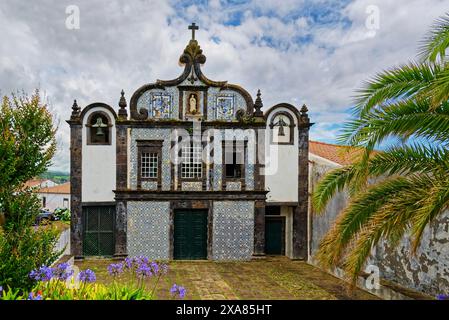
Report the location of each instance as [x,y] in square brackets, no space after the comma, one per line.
[126,44]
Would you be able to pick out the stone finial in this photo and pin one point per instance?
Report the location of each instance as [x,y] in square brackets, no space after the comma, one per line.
[122,104]
[304,116]
[75,110]
[258,105]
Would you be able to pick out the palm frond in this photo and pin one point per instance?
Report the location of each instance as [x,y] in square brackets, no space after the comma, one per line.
[406,187]
[389,222]
[397,83]
[374,128]
[414,158]
[334,181]
[439,89]
[437,202]
[435,44]
[353,218]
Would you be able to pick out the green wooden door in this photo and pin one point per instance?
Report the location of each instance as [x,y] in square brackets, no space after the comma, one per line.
[98,222]
[190,235]
[274,236]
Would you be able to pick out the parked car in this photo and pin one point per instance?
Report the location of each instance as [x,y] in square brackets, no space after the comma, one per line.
[44,217]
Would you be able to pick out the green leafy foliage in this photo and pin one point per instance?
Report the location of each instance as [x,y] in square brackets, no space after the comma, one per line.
[56,176]
[404,188]
[27,145]
[62,214]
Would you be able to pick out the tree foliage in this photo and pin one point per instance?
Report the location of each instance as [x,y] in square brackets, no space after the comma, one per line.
[27,145]
[405,187]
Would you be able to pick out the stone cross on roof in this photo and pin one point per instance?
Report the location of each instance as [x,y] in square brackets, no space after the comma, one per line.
[193,27]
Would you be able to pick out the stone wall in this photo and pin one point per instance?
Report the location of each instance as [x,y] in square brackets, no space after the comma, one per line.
[148,229]
[427,272]
[233,230]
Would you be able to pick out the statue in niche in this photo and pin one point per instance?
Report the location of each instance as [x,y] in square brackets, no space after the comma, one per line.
[193,104]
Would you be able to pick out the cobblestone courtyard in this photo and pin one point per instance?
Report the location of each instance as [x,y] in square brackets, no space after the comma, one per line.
[271,279]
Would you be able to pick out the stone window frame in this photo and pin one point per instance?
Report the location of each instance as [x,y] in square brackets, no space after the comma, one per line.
[89,129]
[149,146]
[291,127]
[242,179]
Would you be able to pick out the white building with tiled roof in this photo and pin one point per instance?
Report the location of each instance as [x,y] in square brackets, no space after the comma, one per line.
[56,196]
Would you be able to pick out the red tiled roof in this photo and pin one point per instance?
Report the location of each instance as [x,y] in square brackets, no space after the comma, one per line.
[61,188]
[34,183]
[343,155]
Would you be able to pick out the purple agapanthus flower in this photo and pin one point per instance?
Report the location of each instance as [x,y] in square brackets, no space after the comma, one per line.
[442,297]
[144,270]
[135,263]
[115,269]
[33,296]
[154,267]
[141,260]
[178,290]
[128,263]
[1,291]
[62,271]
[44,273]
[87,276]
[182,292]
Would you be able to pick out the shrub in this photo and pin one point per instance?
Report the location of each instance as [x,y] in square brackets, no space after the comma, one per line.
[23,247]
[62,214]
[27,145]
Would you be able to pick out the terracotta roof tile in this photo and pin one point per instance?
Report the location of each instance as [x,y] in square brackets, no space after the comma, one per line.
[34,183]
[343,155]
[61,188]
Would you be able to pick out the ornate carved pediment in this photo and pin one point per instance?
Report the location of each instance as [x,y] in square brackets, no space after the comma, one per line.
[192,58]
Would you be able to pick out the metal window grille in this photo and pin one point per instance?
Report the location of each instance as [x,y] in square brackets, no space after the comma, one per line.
[191,166]
[149,164]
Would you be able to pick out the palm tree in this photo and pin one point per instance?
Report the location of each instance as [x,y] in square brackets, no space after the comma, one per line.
[405,187]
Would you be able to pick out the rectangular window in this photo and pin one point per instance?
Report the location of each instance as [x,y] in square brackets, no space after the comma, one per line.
[149,161]
[234,168]
[44,202]
[192,164]
[234,159]
[149,164]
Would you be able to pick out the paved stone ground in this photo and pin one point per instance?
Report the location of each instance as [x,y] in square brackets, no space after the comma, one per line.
[267,279]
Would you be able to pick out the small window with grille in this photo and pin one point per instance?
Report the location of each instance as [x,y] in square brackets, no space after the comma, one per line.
[149,165]
[149,161]
[191,165]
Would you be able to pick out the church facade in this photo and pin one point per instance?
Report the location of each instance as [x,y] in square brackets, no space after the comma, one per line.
[191,169]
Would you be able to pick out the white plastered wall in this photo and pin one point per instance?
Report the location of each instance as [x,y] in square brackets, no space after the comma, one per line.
[281,170]
[98,165]
[287,212]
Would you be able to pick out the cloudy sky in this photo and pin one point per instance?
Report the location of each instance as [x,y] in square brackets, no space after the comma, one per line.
[298,51]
